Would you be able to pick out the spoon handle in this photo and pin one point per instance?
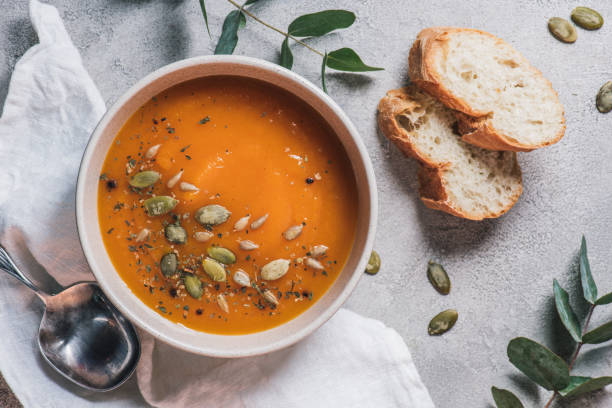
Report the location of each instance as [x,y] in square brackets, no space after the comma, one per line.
[8,266]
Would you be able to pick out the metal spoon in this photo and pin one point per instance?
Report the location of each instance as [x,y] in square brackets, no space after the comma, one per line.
[82,335]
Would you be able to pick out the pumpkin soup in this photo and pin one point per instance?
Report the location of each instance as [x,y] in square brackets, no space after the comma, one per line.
[227,205]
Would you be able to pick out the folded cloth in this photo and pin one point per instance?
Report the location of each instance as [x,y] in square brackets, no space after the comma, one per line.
[51,108]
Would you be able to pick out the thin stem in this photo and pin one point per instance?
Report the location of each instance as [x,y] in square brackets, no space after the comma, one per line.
[551,400]
[575,356]
[248,13]
[586,326]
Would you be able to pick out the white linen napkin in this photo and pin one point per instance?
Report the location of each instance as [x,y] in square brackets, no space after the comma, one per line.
[51,108]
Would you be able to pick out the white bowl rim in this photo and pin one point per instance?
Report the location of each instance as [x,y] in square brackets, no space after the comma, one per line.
[290,76]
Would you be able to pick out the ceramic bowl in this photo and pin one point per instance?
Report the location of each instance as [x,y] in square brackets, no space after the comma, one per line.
[119,293]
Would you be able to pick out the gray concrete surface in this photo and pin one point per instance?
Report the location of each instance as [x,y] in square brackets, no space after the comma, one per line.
[502,270]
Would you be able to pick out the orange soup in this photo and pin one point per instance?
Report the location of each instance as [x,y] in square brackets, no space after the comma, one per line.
[227,205]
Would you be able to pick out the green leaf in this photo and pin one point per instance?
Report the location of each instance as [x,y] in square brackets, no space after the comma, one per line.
[345,59]
[203,7]
[286,57]
[321,23]
[250,2]
[582,385]
[567,315]
[505,399]
[229,34]
[598,335]
[588,284]
[538,363]
[323,72]
[605,299]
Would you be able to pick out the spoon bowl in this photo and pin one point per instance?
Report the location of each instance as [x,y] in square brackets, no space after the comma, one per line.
[82,335]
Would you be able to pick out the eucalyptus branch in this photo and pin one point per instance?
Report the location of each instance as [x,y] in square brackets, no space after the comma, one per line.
[260,21]
[305,26]
[546,368]
[579,346]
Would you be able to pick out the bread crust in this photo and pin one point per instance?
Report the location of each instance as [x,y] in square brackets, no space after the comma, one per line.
[432,188]
[475,128]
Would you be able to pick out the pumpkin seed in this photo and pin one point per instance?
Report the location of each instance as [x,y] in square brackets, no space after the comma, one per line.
[144,179]
[318,250]
[587,18]
[242,278]
[175,234]
[259,222]
[184,186]
[222,303]
[175,179]
[275,269]
[438,277]
[212,214]
[269,297]
[242,223]
[152,152]
[373,265]
[247,245]
[169,264]
[442,322]
[604,98]
[214,269]
[220,254]
[293,232]
[562,30]
[203,236]
[142,235]
[193,285]
[159,205]
[314,264]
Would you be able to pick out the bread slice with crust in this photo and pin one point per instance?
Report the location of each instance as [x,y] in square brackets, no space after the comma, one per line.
[504,102]
[454,176]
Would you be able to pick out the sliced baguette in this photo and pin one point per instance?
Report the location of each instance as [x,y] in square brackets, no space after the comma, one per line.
[454,176]
[504,102]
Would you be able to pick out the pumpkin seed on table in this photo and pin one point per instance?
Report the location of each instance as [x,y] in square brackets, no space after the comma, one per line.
[144,179]
[587,18]
[212,214]
[175,234]
[438,277]
[169,264]
[214,270]
[159,205]
[220,254]
[193,285]
[373,265]
[442,322]
[604,98]
[562,30]
[275,269]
